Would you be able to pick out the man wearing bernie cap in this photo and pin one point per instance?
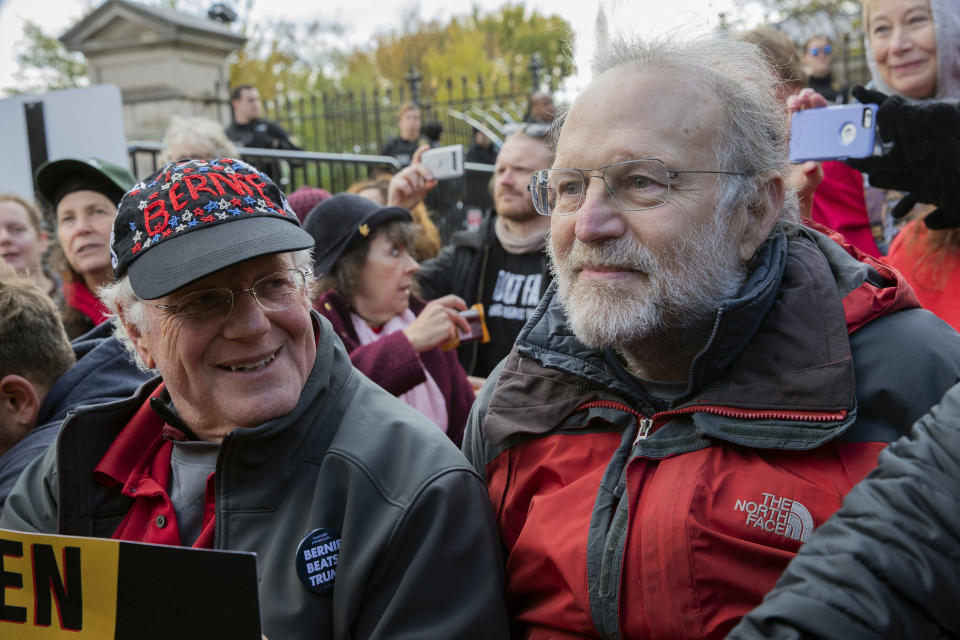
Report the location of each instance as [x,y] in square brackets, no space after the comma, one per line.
[259,435]
[83,194]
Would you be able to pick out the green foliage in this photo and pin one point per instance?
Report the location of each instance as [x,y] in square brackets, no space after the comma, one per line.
[285,57]
[488,46]
[44,64]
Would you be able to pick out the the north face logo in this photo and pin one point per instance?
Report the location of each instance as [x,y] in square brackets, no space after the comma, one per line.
[782,516]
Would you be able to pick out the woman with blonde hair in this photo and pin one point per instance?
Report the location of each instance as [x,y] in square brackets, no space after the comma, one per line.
[912,50]
[24,242]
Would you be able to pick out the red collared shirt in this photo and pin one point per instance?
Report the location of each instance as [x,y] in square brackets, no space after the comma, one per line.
[139,459]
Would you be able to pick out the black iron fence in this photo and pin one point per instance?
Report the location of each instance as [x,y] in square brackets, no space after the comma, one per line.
[362,121]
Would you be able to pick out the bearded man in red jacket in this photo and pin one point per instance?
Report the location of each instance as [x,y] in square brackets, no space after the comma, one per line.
[706,378]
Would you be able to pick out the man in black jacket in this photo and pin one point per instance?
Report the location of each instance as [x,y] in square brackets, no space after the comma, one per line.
[404,145]
[248,129]
[502,264]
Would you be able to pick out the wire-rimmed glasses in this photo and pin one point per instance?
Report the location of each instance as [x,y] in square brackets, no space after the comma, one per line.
[634,185]
[275,292]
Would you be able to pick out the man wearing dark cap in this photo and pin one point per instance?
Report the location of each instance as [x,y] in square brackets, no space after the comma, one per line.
[83,194]
[258,434]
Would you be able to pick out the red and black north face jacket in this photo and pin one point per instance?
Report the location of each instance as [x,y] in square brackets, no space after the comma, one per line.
[618,521]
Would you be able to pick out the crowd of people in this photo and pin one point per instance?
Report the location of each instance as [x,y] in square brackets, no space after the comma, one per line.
[665,389]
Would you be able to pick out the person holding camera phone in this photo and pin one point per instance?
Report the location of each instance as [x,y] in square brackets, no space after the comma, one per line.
[392,336]
[912,50]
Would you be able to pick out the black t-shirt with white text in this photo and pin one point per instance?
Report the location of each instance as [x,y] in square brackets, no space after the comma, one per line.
[512,286]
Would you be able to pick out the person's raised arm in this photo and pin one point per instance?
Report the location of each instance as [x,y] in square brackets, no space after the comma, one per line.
[411,184]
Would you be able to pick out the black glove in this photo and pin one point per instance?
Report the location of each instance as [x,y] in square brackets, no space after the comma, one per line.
[925,158]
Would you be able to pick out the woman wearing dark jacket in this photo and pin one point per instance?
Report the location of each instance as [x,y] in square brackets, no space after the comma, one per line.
[393,337]
[84,194]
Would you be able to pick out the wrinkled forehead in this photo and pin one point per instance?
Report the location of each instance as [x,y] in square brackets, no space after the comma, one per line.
[891,9]
[627,113]
[521,149]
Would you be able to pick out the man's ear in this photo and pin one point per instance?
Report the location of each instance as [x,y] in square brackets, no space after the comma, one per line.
[19,402]
[136,336]
[761,216]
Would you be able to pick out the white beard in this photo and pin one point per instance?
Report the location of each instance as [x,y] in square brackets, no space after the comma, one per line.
[679,290]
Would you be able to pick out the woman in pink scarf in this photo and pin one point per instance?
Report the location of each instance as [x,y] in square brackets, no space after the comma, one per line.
[393,337]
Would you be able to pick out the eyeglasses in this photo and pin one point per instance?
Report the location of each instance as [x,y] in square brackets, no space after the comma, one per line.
[825,49]
[633,185]
[532,129]
[275,292]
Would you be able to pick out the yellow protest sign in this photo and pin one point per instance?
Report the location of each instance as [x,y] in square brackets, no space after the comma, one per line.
[57,586]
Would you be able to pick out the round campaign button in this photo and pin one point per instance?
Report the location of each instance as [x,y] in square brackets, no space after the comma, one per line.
[317,560]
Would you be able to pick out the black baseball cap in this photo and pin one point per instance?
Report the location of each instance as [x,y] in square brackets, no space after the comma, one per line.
[195,217]
[341,222]
[57,178]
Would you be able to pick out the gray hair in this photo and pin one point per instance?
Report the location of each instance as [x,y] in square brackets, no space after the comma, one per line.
[124,304]
[754,137]
[186,136]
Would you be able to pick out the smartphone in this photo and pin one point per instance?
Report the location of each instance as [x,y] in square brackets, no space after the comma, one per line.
[833,133]
[478,328]
[444,162]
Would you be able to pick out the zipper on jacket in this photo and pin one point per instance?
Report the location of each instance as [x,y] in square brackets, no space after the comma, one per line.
[646,424]
[643,429]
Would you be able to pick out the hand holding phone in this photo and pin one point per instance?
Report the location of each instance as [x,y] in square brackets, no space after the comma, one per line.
[444,162]
[833,133]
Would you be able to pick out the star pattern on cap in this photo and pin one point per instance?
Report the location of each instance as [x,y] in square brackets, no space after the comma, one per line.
[171,214]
